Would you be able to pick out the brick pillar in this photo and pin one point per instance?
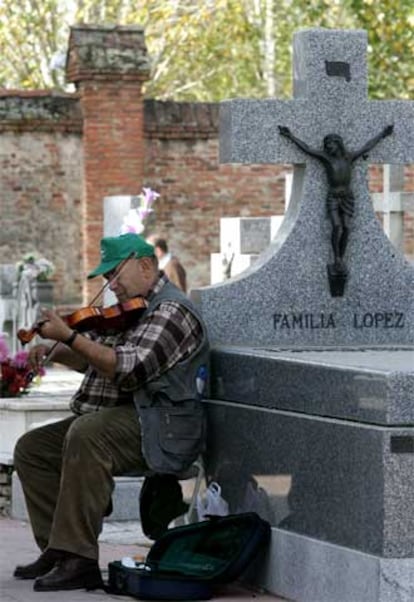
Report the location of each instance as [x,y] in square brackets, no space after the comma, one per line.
[108,64]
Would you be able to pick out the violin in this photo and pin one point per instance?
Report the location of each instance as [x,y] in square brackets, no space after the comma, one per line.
[119,316]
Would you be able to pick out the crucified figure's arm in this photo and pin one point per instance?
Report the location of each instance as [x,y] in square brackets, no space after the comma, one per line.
[387,131]
[285,131]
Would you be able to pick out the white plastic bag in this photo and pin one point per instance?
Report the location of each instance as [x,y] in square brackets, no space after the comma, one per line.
[211,502]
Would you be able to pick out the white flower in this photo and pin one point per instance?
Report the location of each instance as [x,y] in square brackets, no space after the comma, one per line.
[132,223]
[135,218]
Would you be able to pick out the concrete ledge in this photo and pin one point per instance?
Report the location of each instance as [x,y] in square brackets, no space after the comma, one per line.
[308,570]
[125,499]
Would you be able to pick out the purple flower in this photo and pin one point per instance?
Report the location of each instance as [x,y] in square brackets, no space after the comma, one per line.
[20,359]
[149,197]
[135,218]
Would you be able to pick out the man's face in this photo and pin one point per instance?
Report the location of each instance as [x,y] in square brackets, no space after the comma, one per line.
[130,279]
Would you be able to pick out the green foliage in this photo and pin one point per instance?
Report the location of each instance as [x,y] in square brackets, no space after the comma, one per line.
[390,27]
[31,31]
[202,51]
[207,50]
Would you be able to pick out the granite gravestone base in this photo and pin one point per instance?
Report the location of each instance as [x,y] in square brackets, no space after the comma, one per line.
[320,445]
[311,402]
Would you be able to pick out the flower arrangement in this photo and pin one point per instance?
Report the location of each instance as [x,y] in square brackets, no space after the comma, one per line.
[37,268]
[135,218]
[16,376]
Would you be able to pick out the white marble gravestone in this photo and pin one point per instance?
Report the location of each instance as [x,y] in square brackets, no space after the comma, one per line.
[393,203]
[242,239]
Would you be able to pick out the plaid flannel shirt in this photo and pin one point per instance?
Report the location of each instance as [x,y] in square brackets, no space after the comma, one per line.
[143,352]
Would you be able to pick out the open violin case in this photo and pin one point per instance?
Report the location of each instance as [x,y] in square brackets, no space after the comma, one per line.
[191,562]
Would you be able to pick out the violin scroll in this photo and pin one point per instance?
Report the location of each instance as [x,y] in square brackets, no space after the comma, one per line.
[25,336]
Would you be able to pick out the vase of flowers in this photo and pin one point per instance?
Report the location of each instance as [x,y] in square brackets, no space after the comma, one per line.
[37,268]
[42,292]
[16,375]
[39,271]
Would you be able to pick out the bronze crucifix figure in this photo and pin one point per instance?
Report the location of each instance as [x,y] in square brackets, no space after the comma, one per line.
[338,161]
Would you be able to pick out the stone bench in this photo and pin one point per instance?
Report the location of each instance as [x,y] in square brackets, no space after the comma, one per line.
[125,499]
[49,402]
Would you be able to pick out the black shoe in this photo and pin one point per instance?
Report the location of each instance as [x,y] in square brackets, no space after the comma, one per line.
[74,572]
[41,566]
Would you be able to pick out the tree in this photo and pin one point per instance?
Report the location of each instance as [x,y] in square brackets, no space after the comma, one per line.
[207,50]
[31,32]
[390,27]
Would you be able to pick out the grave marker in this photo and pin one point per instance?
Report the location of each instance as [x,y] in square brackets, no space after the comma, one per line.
[393,202]
[318,388]
[290,298]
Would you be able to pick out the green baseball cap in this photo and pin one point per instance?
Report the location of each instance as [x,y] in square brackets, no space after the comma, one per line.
[115,249]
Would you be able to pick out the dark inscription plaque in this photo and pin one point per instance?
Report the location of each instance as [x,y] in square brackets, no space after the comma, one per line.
[402,444]
[338,68]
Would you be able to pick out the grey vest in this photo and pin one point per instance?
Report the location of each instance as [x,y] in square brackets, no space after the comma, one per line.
[172,416]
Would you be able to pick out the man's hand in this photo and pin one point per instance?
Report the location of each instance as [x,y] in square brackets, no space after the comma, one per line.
[37,355]
[284,131]
[51,326]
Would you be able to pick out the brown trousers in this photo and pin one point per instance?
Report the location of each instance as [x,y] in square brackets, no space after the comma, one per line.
[66,469]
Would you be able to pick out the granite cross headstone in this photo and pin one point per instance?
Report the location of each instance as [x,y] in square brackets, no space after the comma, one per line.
[318,388]
[290,301]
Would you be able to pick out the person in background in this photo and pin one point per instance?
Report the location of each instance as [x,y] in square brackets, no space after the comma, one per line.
[138,410]
[169,264]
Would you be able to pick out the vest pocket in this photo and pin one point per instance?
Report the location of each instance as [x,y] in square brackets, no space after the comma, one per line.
[172,436]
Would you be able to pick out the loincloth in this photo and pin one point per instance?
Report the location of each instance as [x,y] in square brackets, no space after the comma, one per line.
[341,201]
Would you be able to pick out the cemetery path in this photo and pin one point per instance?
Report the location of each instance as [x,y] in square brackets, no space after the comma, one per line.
[18,547]
[117,540]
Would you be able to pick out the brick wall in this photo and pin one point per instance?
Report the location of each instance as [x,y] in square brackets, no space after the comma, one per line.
[61,154]
[181,163]
[108,65]
[41,184]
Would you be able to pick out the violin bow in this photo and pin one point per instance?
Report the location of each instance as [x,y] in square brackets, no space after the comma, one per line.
[123,263]
[110,280]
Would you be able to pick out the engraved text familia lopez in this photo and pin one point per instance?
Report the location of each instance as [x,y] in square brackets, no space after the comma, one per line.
[311,321]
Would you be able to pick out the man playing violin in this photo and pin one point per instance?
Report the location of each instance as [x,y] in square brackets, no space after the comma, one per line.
[138,410]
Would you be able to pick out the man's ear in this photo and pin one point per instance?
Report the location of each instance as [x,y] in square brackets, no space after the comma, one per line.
[147,264]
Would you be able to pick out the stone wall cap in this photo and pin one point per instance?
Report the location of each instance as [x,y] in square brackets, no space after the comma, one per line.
[180,119]
[39,110]
[106,27]
[16,93]
[107,52]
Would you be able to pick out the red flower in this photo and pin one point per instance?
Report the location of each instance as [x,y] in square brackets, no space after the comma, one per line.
[14,380]
[16,375]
